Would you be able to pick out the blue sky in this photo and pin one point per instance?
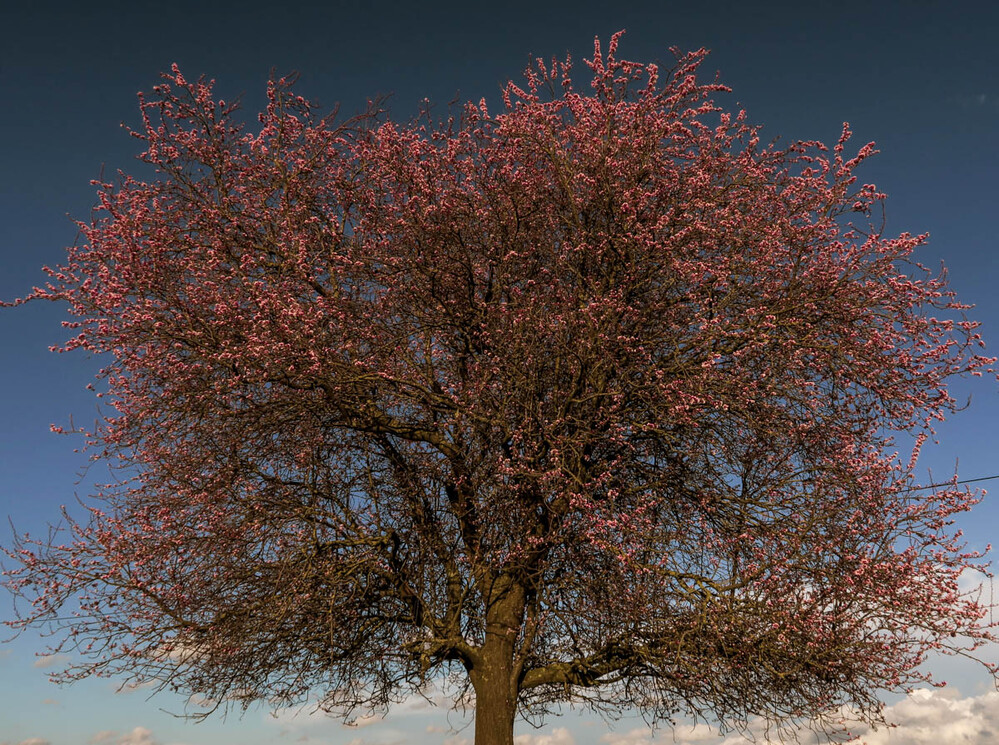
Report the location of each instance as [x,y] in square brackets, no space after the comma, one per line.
[917,77]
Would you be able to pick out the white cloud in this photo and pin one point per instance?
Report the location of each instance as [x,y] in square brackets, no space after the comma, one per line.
[298,717]
[132,686]
[314,727]
[558,736]
[138,736]
[176,651]
[29,741]
[926,717]
[699,733]
[366,720]
[310,721]
[454,733]
[940,717]
[51,660]
[200,701]
[640,736]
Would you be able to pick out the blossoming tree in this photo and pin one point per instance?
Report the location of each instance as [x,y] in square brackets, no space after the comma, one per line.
[591,402]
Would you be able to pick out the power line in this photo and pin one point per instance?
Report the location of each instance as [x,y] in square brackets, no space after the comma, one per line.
[954,483]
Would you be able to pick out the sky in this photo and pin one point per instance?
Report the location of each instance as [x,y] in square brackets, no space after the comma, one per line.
[919,78]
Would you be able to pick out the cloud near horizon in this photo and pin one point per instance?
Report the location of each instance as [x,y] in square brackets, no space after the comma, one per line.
[925,717]
[138,736]
[558,736]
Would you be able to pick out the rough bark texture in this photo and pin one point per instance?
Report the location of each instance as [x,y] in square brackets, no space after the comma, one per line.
[495,695]
[494,676]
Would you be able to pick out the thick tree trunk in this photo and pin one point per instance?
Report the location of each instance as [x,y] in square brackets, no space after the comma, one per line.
[492,677]
[495,709]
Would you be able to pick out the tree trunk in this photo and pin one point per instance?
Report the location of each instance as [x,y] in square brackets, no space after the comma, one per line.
[492,677]
[495,700]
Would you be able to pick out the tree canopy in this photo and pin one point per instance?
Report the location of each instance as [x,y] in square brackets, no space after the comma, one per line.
[595,400]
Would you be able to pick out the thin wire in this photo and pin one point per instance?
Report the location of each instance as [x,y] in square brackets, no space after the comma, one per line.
[954,483]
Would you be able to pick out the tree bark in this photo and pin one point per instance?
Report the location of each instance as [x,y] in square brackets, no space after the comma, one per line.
[495,697]
[493,673]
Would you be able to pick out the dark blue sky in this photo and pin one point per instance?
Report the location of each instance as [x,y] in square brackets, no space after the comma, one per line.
[920,78]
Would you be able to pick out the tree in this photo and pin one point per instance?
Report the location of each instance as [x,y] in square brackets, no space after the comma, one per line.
[592,401]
